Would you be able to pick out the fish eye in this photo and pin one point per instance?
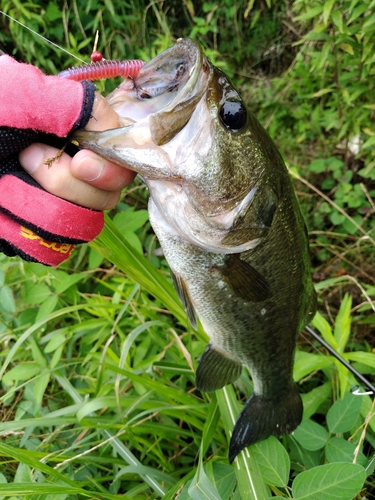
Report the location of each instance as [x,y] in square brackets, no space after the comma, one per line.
[233,115]
[180,70]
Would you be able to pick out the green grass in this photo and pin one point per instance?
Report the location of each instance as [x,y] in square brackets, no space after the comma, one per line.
[97,359]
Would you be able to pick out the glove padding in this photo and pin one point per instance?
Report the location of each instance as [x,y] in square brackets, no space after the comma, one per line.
[35,224]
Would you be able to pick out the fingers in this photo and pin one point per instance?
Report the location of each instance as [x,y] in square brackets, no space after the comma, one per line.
[92,168]
[103,116]
[85,179]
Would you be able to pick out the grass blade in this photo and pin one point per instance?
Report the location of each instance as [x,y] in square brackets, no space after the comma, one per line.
[117,445]
[250,481]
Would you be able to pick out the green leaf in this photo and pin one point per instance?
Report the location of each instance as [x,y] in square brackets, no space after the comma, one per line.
[37,294]
[322,92]
[68,281]
[110,7]
[309,459]
[213,416]
[340,450]
[40,386]
[367,358]
[327,10]
[23,371]
[95,259]
[225,479]
[23,474]
[311,435]
[336,218]
[311,13]
[315,398]
[129,221]
[273,461]
[343,413]
[343,322]
[338,20]
[56,341]
[133,240]
[53,12]
[329,482]
[325,329]
[7,302]
[47,307]
[306,363]
[201,488]
[318,166]
[369,21]
[144,470]
[357,11]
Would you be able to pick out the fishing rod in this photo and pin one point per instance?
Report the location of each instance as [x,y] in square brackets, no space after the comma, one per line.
[342,361]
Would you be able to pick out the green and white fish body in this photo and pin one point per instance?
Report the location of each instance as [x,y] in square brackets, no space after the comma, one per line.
[223,208]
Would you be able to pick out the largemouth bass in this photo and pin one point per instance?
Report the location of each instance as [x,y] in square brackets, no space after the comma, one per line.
[223,208]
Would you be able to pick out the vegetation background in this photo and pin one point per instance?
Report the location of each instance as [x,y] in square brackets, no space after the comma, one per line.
[97,360]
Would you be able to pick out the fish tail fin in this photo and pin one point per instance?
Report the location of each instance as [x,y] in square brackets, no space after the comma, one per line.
[261,418]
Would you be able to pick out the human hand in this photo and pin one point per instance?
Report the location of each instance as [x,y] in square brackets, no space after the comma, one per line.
[86,179]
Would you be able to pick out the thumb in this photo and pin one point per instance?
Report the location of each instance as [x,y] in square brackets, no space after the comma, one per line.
[103,116]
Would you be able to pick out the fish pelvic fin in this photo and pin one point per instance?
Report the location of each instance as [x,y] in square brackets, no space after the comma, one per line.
[184,295]
[216,370]
[261,418]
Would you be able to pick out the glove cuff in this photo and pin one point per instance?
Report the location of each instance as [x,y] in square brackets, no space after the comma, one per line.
[51,218]
[87,105]
[18,240]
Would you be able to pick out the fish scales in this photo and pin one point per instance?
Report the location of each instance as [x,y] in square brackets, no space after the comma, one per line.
[224,210]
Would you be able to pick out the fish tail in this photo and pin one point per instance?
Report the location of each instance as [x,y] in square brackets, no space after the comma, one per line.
[261,418]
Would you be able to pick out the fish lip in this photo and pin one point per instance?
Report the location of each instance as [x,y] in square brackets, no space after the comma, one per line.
[189,52]
[182,71]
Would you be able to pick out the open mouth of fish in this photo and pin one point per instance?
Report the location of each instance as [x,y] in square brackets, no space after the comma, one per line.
[170,84]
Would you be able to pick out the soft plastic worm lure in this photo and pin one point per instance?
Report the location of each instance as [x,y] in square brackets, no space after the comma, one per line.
[103,69]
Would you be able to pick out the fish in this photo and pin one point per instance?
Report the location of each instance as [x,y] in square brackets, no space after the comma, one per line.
[223,207]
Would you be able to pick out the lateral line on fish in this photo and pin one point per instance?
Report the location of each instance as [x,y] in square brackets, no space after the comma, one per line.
[334,353]
[41,36]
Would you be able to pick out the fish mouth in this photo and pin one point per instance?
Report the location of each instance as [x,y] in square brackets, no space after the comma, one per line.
[166,90]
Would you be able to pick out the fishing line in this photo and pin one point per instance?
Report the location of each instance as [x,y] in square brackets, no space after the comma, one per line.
[43,37]
[342,361]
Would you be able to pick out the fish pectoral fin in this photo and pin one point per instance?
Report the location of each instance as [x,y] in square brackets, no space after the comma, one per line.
[261,418]
[244,280]
[216,370]
[239,236]
[184,295]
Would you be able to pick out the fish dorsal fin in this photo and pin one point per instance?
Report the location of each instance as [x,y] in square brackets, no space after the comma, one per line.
[184,296]
[216,370]
[244,280]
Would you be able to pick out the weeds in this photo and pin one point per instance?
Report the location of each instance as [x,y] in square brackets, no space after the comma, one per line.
[97,358]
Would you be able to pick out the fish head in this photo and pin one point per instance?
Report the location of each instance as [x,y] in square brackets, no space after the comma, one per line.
[199,149]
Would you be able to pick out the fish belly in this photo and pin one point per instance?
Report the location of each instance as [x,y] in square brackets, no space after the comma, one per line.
[258,334]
